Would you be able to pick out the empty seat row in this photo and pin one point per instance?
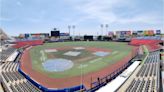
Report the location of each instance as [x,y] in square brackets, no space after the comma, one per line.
[148,77]
[6,53]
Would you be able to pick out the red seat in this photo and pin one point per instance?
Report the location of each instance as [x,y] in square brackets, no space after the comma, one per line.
[20,44]
[138,42]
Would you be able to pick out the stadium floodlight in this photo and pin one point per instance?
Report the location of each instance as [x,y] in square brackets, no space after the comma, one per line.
[69,29]
[54,29]
[106,25]
[101,29]
[73,27]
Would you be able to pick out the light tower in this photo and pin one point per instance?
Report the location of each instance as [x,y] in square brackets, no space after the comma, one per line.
[106,25]
[69,29]
[73,27]
[101,29]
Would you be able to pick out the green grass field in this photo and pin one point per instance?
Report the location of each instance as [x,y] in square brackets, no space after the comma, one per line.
[118,52]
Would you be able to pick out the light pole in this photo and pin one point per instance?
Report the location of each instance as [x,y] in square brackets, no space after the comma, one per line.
[101,29]
[73,27]
[69,29]
[106,29]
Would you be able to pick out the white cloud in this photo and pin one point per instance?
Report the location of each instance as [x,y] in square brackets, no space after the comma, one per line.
[142,18]
[99,10]
[104,11]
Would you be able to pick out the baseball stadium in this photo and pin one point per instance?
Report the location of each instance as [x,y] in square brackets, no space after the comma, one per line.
[82,65]
[81,46]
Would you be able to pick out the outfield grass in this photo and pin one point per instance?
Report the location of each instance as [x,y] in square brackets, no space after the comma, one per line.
[119,51]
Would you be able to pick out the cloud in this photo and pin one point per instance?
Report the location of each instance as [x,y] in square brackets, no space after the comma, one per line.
[104,11]
[142,18]
[99,10]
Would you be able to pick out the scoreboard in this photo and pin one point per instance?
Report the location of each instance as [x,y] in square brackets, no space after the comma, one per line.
[158,32]
[55,33]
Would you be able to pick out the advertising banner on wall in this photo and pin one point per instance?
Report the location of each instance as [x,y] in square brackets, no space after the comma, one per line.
[123,33]
[64,34]
[148,32]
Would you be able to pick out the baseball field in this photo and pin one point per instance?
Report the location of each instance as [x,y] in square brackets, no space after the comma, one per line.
[66,64]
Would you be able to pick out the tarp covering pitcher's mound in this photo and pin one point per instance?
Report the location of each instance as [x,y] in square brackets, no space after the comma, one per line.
[57,65]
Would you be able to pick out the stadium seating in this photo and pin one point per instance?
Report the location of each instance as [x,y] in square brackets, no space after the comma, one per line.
[147,78]
[146,40]
[20,44]
[153,47]
[138,42]
[12,78]
[6,53]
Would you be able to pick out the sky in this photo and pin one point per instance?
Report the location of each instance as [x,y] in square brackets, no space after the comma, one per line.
[41,16]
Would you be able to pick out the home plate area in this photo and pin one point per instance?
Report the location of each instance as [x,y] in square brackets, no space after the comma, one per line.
[72,53]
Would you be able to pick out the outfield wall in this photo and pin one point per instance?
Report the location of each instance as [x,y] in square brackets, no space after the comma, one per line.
[44,89]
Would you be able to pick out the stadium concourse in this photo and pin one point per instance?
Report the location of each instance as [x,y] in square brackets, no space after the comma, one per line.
[141,74]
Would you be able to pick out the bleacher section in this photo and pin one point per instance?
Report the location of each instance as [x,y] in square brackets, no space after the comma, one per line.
[148,77]
[20,44]
[138,42]
[146,40]
[153,47]
[12,80]
[6,53]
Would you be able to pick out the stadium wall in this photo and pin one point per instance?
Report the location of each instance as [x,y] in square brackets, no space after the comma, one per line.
[44,89]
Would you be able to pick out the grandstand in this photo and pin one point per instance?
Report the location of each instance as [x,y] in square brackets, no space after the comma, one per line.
[12,80]
[5,54]
[147,78]
[145,41]
[20,44]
